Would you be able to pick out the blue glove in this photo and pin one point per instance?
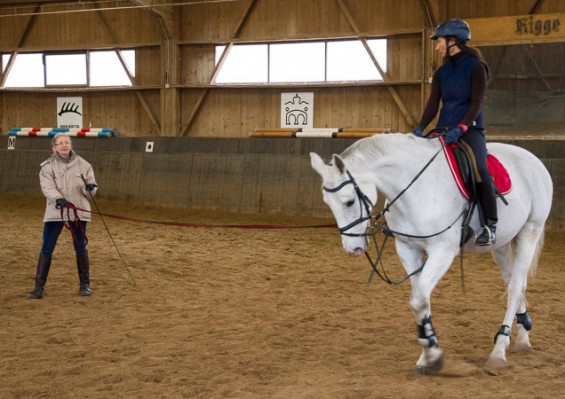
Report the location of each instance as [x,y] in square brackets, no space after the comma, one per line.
[417,132]
[453,135]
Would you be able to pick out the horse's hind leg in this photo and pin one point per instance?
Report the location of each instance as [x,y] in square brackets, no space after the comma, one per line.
[515,272]
[503,257]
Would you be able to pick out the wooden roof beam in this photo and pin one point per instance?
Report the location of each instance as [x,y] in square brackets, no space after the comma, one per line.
[138,93]
[21,41]
[157,7]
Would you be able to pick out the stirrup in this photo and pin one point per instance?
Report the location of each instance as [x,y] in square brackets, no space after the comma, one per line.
[486,236]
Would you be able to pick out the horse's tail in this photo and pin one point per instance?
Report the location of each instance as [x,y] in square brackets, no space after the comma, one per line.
[537,253]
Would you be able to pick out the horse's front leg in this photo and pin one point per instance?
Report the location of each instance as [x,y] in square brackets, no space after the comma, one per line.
[437,263]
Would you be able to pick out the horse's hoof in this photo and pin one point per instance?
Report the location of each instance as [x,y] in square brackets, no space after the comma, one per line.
[432,368]
[495,363]
[521,347]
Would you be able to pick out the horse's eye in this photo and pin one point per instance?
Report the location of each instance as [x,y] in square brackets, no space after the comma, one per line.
[349,203]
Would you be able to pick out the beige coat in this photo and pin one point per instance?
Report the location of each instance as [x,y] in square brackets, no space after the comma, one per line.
[60,179]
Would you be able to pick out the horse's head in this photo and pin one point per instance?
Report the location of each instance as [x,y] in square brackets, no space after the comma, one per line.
[350,200]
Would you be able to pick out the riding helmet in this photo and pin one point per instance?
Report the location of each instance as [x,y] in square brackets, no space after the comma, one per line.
[454,27]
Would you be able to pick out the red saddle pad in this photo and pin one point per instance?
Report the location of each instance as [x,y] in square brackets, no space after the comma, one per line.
[499,173]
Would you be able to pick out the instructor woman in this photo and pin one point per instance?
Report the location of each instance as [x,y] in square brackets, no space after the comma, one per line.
[67,181]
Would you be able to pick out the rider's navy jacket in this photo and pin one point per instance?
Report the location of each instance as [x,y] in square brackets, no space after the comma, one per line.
[455,85]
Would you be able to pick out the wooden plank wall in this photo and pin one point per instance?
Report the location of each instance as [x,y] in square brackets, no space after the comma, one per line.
[182,50]
[252,175]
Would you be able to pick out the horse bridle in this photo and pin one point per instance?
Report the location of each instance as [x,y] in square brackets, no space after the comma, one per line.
[365,202]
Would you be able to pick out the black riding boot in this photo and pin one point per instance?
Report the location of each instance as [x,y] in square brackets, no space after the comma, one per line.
[83,267]
[43,266]
[487,201]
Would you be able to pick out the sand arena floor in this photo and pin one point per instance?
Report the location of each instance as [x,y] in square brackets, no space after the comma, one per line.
[241,313]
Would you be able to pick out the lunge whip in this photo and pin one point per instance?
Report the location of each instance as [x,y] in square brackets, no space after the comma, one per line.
[108,230]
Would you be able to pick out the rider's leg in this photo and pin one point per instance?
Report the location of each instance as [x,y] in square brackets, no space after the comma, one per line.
[486,196]
[487,200]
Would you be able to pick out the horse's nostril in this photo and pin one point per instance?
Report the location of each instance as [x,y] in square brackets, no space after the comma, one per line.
[358,251]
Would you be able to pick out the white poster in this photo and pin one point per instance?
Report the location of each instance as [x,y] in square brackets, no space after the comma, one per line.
[297,110]
[69,112]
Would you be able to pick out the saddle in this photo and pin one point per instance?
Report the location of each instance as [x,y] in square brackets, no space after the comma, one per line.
[463,172]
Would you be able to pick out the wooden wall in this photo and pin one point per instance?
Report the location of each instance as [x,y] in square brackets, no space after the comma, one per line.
[247,175]
[175,47]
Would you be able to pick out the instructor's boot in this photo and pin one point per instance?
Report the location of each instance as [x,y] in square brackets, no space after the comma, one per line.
[43,266]
[487,200]
[83,267]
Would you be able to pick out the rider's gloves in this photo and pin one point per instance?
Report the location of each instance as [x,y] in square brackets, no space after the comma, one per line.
[453,135]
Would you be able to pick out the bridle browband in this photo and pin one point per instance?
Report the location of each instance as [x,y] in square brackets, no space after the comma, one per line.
[373,227]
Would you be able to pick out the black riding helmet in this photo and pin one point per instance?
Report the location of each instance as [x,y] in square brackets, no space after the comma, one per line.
[453,28]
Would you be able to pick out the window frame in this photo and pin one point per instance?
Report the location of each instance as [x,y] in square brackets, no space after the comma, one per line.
[67,53]
[219,48]
[131,70]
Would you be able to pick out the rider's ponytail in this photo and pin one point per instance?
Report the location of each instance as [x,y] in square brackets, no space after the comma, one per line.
[476,53]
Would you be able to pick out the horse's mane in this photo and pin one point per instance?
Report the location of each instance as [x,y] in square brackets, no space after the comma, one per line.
[375,146]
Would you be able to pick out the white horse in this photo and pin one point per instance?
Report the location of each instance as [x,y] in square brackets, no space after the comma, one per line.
[388,164]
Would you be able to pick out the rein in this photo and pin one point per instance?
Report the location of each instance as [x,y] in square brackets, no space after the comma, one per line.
[75,220]
[372,229]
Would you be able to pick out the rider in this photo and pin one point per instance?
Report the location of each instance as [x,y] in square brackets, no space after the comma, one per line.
[461,83]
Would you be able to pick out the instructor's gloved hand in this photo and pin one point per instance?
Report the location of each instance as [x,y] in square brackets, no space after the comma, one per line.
[417,132]
[453,135]
[90,186]
[61,202]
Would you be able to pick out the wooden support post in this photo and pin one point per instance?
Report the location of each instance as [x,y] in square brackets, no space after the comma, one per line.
[204,94]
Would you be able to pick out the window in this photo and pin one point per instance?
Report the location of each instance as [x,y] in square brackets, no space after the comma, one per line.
[300,62]
[244,64]
[107,70]
[86,68]
[27,70]
[65,70]
[321,61]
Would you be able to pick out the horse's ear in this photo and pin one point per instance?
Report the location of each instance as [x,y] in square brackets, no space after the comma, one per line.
[338,162]
[317,163]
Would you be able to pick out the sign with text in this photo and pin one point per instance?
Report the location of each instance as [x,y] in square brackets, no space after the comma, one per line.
[69,112]
[517,29]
